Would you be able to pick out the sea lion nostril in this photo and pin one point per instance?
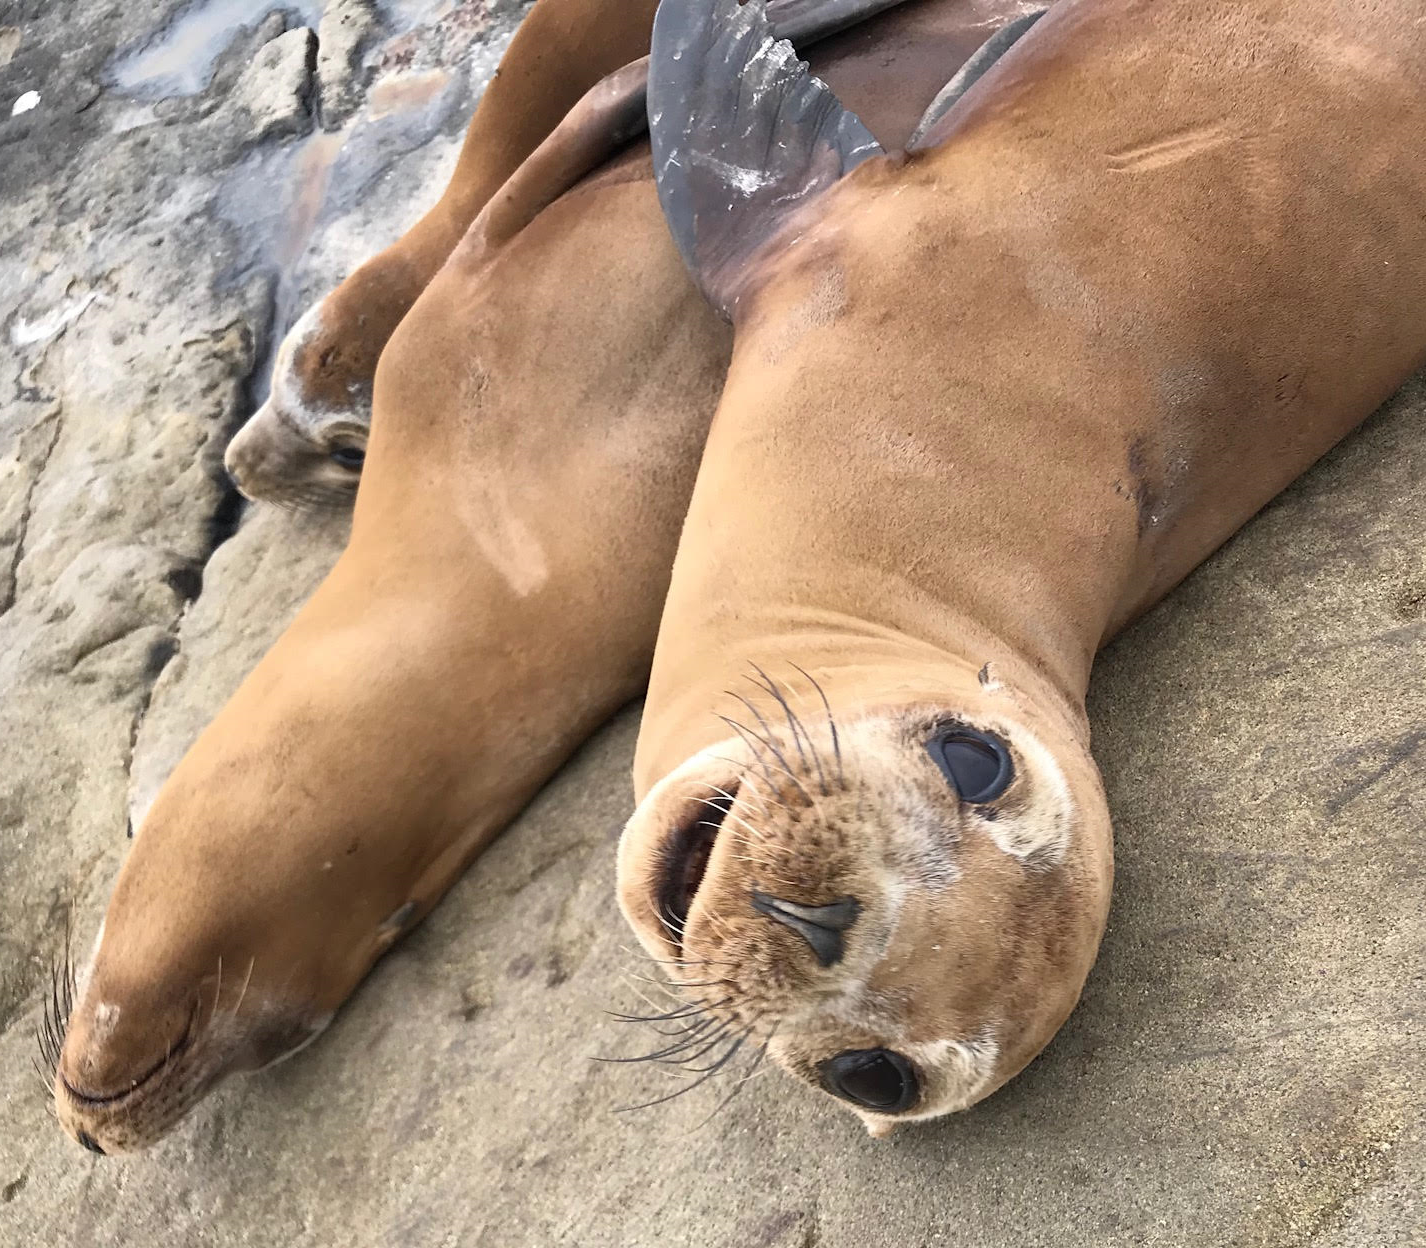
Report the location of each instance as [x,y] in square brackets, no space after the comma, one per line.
[89,1142]
[820,926]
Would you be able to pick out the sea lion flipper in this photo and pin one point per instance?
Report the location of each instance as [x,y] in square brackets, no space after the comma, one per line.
[971,72]
[741,134]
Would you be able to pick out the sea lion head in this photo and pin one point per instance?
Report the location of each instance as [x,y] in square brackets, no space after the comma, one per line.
[155,1029]
[305,446]
[898,899]
[216,966]
[287,851]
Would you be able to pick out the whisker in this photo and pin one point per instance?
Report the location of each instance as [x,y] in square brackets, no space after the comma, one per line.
[739,1083]
[727,814]
[794,724]
[680,962]
[754,745]
[58,1006]
[831,722]
[671,1015]
[763,764]
[771,745]
[673,985]
[702,1079]
[237,1005]
[668,1050]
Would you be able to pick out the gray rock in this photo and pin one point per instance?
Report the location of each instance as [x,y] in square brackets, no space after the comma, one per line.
[275,90]
[346,28]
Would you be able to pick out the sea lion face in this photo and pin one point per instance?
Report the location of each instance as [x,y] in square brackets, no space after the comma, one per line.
[228,978]
[118,1087]
[902,916]
[306,445]
[286,852]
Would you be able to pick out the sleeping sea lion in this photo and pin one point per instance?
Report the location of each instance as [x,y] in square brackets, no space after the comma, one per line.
[539,416]
[305,445]
[989,400]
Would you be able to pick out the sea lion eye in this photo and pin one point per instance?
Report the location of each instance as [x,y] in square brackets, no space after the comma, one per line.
[976,763]
[348,456]
[872,1078]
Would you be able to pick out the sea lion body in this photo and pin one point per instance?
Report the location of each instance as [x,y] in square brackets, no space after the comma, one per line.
[497,601]
[539,418]
[987,403]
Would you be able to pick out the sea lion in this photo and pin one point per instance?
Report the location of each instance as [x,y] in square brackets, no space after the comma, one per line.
[989,400]
[305,445]
[539,416]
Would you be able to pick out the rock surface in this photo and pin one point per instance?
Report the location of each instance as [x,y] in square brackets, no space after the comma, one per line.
[346,27]
[276,88]
[1245,1068]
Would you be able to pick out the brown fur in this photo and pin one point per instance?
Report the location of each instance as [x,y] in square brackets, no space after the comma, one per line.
[987,403]
[539,417]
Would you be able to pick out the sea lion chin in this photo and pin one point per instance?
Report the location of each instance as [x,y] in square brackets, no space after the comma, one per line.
[899,900]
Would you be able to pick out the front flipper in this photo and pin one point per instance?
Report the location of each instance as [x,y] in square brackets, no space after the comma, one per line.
[742,136]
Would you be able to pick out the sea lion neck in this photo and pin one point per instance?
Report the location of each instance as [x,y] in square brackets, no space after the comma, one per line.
[843,460]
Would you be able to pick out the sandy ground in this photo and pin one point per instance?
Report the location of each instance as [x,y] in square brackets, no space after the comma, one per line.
[1246,1067]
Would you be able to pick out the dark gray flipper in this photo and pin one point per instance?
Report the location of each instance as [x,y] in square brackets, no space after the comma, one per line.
[970,73]
[614,112]
[805,20]
[742,135]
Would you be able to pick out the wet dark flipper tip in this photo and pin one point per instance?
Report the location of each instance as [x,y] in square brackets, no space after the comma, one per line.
[742,135]
[970,73]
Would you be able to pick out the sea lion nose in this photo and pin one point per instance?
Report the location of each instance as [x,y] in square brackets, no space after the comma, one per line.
[89,1142]
[820,926]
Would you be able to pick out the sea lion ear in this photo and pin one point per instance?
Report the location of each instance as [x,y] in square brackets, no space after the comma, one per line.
[742,135]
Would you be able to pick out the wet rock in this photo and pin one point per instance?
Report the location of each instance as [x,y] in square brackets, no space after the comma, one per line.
[275,91]
[346,28]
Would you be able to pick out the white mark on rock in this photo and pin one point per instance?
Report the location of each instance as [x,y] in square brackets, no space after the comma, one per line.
[24,333]
[26,102]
